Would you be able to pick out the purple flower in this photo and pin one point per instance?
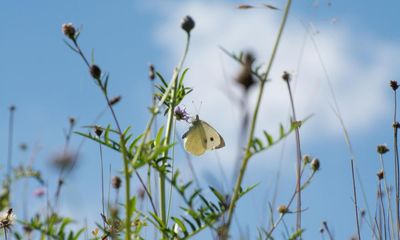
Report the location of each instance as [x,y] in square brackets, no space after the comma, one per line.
[181,114]
[39,192]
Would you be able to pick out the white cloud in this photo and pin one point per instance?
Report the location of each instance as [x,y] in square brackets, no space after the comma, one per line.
[359,71]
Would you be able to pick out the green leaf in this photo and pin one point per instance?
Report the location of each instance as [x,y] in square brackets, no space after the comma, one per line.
[192,226]
[181,225]
[107,134]
[157,141]
[269,138]
[220,197]
[296,234]
[281,131]
[158,220]
[248,189]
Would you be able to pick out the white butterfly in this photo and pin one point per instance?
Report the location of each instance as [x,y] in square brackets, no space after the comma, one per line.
[201,137]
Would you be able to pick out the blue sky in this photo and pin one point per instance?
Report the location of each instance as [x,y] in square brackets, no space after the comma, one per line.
[48,83]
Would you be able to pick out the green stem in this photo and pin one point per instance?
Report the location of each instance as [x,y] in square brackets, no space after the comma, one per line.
[248,154]
[298,162]
[169,127]
[389,202]
[127,175]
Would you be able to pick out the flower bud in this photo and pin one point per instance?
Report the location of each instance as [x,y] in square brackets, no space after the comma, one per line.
[394,85]
[315,164]
[283,209]
[116,182]
[115,100]
[245,77]
[306,159]
[382,149]
[72,121]
[69,30]
[380,174]
[187,24]
[152,74]
[98,130]
[95,71]
[286,76]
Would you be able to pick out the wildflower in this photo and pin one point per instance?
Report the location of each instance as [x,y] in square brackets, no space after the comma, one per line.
[382,149]
[187,24]
[245,77]
[286,76]
[283,209]
[69,30]
[394,85]
[152,74]
[7,219]
[116,182]
[381,174]
[95,71]
[181,114]
[315,164]
[115,100]
[39,192]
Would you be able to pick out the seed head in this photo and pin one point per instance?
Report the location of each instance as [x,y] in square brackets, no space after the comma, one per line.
[286,76]
[98,130]
[394,85]
[283,209]
[382,149]
[315,164]
[187,24]
[12,108]
[396,125]
[380,174]
[152,74]
[362,213]
[72,121]
[95,71]
[69,30]
[115,100]
[245,77]
[64,159]
[116,182]
[23,146]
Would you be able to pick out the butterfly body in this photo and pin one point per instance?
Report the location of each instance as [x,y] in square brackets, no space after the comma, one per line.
[201,137]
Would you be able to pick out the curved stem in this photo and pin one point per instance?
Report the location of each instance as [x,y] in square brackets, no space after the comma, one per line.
[248,154]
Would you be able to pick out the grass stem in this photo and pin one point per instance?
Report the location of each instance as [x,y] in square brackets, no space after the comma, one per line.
[247,154]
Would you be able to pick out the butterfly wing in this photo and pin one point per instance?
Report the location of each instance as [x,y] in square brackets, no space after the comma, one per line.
[194,139]
[213,140]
